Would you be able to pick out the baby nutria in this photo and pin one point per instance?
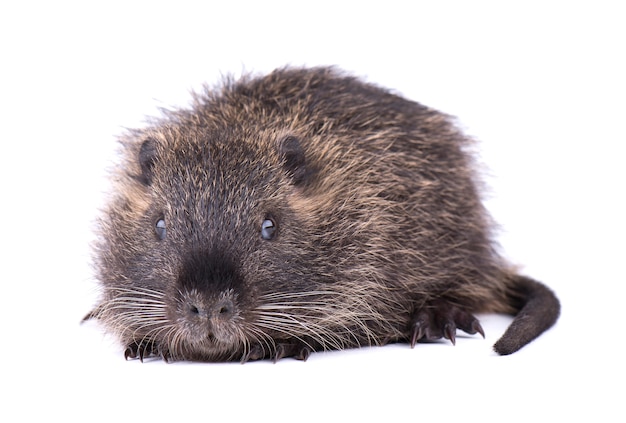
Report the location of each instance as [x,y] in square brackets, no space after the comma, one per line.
[302,211]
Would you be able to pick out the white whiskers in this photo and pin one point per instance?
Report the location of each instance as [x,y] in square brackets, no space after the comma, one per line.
[318,320]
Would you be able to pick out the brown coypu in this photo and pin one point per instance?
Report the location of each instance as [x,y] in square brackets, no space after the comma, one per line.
[301,211]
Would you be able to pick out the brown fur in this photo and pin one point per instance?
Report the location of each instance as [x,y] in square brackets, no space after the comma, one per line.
[381,235]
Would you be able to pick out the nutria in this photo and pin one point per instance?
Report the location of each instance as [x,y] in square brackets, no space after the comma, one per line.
[302,211]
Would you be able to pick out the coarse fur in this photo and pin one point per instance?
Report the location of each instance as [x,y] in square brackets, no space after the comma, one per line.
[301,211]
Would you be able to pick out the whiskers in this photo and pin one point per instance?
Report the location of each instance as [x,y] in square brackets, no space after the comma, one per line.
[137,315]
[327,320]
[315,320]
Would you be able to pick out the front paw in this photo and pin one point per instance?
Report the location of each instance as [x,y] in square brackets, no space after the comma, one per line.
[145,349]
[296,349]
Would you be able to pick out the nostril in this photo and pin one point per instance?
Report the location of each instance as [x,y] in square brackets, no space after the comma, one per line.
[224,308]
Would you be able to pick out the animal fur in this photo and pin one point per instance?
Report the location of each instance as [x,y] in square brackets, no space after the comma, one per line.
[301,211]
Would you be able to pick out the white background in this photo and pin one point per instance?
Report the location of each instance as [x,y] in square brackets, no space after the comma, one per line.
[540,84]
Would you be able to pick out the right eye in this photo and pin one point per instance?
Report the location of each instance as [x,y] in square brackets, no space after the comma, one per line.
[159,228]
[268,229]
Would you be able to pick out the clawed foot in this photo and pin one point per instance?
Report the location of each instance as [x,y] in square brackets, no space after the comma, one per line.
[145,349]
[298,350]
[441,320]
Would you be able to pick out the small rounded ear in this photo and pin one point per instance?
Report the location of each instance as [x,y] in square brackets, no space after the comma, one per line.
[294,160]
[147,155]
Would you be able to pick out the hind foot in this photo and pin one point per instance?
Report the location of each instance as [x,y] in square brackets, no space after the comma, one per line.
[441,320]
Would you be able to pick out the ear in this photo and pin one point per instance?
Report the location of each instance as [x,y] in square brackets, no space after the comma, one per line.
[294,159]
[147,156]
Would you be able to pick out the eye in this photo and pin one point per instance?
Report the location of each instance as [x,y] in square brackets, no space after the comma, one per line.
[268,229]
[159,228]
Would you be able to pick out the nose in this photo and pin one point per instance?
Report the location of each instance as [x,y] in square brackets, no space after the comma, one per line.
[221,309]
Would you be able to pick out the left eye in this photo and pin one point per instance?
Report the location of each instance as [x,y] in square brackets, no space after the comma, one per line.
[159,228]
[268,229]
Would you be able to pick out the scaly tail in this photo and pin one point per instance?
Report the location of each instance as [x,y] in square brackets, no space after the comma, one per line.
[538,310]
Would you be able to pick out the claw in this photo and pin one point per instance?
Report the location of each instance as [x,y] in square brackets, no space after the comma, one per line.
[279,353]
[441,319]
[298,350]
[418,333]
[304,354]
[476,327]
[449,332]
[143,350]
[129,353]
[420,326]
[255,353]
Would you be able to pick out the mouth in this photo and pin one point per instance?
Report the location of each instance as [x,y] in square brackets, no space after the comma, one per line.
[211,342]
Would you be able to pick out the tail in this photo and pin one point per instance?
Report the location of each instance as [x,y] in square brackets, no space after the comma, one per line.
[538,311]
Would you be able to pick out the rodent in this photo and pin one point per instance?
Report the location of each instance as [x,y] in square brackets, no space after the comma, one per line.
[300,211]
